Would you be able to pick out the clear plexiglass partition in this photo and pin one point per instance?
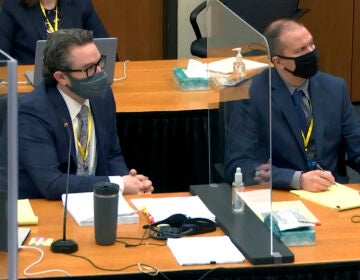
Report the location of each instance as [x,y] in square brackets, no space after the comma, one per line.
[8,167]
[237,134]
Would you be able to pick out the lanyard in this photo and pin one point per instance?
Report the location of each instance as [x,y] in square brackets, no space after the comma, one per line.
[84,152]
[51,27]
[308,135]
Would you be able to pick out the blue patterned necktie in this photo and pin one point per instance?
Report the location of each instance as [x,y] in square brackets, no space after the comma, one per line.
[83,138]
[303,109]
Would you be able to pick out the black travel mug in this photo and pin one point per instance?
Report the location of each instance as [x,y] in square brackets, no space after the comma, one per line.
[106,197]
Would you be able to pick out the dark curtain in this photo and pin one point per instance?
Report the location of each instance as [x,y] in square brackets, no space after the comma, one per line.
[169,147]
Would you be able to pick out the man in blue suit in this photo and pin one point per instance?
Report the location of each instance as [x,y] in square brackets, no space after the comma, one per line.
[49,124]
[23,22]
[299,156]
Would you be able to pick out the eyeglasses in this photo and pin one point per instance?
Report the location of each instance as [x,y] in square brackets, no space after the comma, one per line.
[90,70]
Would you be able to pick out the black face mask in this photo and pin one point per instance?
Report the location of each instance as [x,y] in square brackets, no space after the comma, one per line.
[306,65]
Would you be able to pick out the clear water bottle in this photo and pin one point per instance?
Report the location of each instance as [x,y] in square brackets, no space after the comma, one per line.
[237,187]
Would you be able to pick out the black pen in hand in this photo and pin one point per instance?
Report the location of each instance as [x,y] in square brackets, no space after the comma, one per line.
[322,169]
[319,167]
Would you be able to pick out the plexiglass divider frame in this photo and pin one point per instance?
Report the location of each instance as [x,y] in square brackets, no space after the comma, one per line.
[233,141]
[8,167]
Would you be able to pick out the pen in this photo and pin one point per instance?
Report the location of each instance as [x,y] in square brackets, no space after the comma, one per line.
[319,167]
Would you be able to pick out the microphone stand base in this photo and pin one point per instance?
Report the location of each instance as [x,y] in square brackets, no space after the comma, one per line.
[66,246]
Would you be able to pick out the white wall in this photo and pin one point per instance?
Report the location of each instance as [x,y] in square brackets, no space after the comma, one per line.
[185,32]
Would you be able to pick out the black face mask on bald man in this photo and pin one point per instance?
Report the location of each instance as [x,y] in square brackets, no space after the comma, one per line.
[306,65]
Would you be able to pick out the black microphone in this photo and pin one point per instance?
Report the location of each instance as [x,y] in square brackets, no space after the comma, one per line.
[66,246]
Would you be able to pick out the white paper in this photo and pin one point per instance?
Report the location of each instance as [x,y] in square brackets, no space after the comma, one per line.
[81,208]
[162,208]
[288,214]
[204,250]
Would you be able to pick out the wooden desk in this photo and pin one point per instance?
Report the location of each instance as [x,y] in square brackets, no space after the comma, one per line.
[337,245]
[149,87]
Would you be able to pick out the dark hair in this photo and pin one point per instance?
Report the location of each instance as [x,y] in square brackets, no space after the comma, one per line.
[57,48]
[273,32]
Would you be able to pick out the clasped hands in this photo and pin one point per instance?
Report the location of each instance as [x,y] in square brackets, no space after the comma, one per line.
[137,183]
[313,181]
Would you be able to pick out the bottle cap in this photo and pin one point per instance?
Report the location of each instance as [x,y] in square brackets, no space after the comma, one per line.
[238,55]
[238,175]
[106,188]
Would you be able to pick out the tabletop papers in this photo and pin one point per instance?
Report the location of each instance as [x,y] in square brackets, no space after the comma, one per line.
[226,65]
[204,250]
[290,214]
[337,197]
[81,208]
[161,208]
[26,214]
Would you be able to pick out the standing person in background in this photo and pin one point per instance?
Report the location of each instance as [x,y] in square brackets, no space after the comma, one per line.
[23,22]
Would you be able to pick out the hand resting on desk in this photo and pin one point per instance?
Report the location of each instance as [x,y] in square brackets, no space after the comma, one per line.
[137,183]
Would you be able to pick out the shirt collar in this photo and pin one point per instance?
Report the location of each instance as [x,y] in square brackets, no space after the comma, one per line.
[73,106]
[304,87]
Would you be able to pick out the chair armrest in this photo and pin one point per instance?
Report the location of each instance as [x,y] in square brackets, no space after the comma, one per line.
[193,17]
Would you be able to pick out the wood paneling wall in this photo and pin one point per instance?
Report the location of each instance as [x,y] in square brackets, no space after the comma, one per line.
[138,25]
[355,81]
[335,26]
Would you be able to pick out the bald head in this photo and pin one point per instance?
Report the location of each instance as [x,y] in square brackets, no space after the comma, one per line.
[275,31]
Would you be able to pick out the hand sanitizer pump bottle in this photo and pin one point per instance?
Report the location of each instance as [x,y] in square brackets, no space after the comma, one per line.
[239,66]
[237,187]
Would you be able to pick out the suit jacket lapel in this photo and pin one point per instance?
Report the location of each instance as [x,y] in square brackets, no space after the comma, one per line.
[60,106]
[317,97]
[67,12]
[36,18]
[281,98]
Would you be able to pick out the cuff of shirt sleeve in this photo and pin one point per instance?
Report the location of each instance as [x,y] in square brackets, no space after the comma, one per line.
[119,181]
[295,181]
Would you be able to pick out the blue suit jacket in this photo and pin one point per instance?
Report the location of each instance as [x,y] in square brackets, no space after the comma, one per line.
[335,125]
[44,144]
[21,27]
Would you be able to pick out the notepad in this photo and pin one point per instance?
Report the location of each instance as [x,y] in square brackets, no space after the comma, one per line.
[205,250]
[26,214]
[81,208]
[337,197]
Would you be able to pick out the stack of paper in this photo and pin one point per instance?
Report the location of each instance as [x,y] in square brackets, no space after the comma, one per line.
[162,208]
[204,250]
[81,208]
[26,214]
[337,197]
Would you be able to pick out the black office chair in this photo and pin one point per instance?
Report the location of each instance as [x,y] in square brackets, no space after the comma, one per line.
[258,13]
